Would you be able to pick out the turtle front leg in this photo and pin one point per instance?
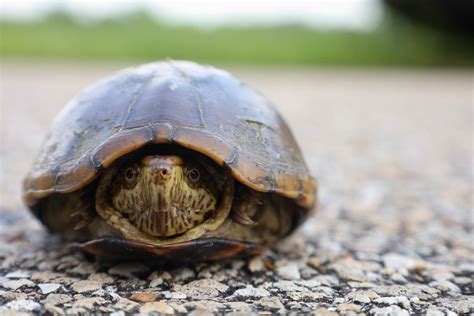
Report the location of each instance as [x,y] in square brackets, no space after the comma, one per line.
[246,206]
[84,218]
[83,212]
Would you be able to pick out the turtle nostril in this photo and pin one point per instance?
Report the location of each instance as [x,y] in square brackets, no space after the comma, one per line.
[164,172]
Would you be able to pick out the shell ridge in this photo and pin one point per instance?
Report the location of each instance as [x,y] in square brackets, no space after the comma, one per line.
[133,100]
[197,95]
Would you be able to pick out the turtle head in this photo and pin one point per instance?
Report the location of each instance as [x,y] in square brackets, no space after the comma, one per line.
[164,195]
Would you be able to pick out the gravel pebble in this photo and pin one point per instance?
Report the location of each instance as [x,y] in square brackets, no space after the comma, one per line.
[398,261]
[158,307]
[289,271]
[323,311]
[156,282]
[250,291]
[54,310]
[126,305]
[433,311]
[202,289]
[362,296]
[12,296]
[89,302]
[18,275]
[24,305]
[102,278]
[348,307]
[205,306]
[256,264]
[86,286]
[16,284]
[183,274]
[388,311]
[396,300]
[57,299]
[144,296]
[47,288]
[270,303]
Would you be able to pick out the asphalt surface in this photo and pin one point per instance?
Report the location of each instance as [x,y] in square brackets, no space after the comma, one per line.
[393,153]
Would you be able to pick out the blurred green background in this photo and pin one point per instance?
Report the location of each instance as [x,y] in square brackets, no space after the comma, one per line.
[137,35]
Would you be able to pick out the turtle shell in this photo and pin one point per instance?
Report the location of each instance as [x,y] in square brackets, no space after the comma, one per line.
[197,107]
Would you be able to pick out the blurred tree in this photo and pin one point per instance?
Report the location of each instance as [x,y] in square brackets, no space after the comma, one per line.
[450,15]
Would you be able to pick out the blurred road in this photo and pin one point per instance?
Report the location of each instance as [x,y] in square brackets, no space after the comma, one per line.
[392,150]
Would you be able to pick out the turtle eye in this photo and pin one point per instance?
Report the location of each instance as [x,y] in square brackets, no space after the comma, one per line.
[193,175]
[130,174]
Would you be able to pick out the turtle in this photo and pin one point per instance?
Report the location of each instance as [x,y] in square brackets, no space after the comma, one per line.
[170,160]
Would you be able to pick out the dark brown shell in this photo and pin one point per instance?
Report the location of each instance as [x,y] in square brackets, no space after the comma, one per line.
[198,107]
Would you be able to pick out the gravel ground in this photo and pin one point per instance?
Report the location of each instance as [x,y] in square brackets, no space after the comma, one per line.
[392,150]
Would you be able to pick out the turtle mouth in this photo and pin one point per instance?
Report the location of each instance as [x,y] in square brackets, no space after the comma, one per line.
[168,222]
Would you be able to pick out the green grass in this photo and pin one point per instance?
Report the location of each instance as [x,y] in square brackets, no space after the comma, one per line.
[139,37]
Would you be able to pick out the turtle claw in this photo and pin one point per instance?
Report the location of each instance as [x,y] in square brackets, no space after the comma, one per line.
[242,218]
[86,219]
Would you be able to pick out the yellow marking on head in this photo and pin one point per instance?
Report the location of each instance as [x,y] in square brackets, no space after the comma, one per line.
[166,196]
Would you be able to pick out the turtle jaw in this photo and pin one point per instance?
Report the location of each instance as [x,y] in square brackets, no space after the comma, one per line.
[160,201]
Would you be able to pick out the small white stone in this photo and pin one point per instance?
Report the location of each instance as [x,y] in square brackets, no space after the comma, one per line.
[126,305]
[159,307]
[399,262]
[239,306]
[24,305]
[251,291]
[178,295]
[56,299]
[362,296]
[270,302]
[289,271]
[287,286]
[204,307]
[202,289]
[115,296]
[103,278]
[86,286]
[256,264]
[156,282]
[178,307]
[183,274]
[388,311]
[394,300]
[16,284]
[54,310]
[398,278]
[237,264]
[47,288]
[89,302]
[18,275]
[348,307]
[433,311]
[462,280]
[166,276]
[446,286]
